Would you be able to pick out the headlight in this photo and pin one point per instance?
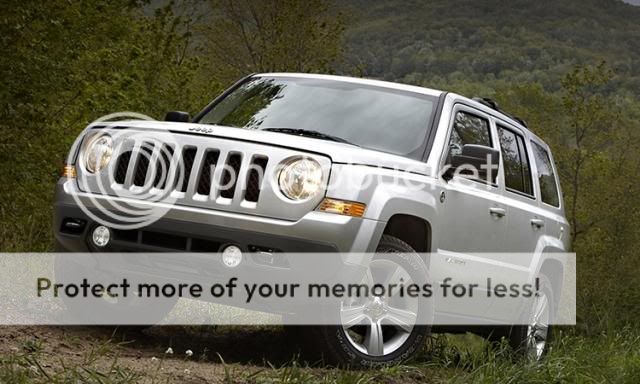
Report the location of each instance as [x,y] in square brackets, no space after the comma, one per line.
[98,153]
[300,179]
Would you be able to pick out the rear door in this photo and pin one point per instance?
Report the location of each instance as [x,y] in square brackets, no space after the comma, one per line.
[525,224]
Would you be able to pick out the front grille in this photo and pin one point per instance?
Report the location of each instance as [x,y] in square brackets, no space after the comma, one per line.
[130,239]
[206,173]
[142,166]
[188,157]
[121,167]
[254,180]
[164,240]
[163,164]
[162,169]
[176,172]
[230,175]
[124,240]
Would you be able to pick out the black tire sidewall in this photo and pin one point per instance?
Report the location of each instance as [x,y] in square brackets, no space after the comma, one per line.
[336,339]
[519,333]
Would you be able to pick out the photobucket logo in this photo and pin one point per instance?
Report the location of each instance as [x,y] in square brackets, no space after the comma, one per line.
[131,174]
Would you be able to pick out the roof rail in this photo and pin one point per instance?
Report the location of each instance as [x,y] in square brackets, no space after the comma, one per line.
[493,105]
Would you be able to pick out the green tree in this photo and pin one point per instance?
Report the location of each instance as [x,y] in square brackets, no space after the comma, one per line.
[65,64]
[269,36]
[596,150]
[590,118]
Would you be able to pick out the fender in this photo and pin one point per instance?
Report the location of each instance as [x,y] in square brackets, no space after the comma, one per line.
[386,192]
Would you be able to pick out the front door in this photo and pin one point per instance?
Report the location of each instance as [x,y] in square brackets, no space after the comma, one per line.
[472,215]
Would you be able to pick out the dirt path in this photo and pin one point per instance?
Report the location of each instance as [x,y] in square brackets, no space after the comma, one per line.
[244,351]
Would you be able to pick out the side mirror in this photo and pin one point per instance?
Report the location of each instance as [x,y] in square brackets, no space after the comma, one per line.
[475,160]
[177,116]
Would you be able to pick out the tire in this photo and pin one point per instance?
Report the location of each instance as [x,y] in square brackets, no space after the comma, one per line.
[339,345]
[525,341]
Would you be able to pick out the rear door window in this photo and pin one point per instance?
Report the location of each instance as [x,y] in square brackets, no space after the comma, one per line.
[517,172]
[546,176]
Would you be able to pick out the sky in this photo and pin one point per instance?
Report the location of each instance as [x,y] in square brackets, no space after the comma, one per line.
[634,2]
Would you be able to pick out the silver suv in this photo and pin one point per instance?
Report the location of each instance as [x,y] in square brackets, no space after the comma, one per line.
[285,163]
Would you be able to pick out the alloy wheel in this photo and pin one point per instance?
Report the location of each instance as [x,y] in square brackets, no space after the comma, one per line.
[379,325]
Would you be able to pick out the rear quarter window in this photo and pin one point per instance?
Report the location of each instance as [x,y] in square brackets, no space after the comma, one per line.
[546,176]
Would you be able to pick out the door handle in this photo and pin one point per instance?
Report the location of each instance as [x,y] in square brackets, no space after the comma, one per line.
[497,212]
[537,223]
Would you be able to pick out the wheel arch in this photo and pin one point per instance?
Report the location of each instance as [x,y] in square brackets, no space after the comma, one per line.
[413,230]
[554,270]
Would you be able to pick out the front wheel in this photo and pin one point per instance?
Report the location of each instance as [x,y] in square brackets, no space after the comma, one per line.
[381,330]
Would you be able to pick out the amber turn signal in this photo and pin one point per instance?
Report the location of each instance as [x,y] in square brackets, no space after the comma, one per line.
[348,208]
[69,171]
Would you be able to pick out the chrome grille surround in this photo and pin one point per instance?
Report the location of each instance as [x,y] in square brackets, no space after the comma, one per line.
[189,156]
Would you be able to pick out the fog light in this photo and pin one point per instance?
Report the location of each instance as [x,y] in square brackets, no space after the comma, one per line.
[101,236]
[231,256]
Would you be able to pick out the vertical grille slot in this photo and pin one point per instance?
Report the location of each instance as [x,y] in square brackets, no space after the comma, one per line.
[121,167]
[255,177]
[230,175]
[142,164]
[188,156]
[163,165]
[206,172]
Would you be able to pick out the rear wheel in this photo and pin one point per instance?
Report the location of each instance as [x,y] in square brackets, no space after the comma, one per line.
[531,341]
[381,330]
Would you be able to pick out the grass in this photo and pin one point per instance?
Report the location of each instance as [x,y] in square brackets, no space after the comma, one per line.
[28,367]
[573,359]
[611,358]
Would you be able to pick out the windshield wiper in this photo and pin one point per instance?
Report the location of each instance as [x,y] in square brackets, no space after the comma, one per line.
[309,133]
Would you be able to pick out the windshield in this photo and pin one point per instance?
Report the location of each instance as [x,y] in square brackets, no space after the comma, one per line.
[368,116]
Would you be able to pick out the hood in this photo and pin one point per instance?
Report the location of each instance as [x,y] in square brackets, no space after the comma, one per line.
[338,152]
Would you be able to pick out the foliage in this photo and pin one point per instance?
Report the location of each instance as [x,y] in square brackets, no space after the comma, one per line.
[243,37]
[439,42]
[573,359]
[65,63]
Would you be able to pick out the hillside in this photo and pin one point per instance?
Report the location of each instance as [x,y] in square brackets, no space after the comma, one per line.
[439,41]
[65,63]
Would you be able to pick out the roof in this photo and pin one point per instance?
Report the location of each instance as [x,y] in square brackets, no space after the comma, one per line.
[356,80]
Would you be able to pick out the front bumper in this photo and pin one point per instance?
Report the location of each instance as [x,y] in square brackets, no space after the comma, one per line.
[184,229]
[345,243]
